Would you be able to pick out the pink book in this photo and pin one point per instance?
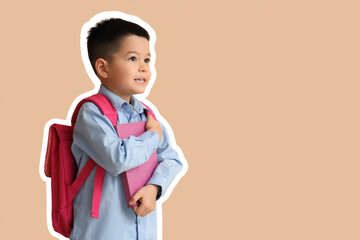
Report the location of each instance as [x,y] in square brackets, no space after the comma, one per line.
[135,178]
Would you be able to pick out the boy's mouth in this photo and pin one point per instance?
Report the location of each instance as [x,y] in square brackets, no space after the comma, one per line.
[140,80]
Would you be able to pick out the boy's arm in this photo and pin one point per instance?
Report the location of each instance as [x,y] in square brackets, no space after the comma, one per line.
[95,135]
[169,164]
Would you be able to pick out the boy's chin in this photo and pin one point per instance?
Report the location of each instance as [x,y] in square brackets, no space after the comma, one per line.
[138,92]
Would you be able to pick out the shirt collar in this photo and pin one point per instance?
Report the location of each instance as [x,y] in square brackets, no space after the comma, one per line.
[117,101]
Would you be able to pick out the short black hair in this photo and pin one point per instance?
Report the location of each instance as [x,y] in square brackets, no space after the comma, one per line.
[104,38]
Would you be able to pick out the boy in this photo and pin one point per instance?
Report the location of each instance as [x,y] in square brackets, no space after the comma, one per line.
[119,54]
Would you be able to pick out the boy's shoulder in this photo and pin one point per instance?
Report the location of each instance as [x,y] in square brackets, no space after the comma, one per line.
[88,108]
[89,105]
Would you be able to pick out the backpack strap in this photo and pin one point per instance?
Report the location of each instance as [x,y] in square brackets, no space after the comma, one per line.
[102,103]
[110,112]
[149,111]
[98,184]
[82,176]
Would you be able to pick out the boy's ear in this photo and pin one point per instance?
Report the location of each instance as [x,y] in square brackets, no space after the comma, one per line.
[101,67]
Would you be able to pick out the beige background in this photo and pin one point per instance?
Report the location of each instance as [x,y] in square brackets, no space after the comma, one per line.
[263,98]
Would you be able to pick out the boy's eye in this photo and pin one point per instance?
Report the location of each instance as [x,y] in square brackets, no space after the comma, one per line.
[133,58]
[147,60]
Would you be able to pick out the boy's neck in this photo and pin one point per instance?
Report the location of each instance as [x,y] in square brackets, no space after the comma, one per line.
[126,98]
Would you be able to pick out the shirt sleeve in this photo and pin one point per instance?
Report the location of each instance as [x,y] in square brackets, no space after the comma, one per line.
[95,135]
[169,164]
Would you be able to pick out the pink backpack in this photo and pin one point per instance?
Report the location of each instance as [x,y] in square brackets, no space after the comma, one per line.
[61,167]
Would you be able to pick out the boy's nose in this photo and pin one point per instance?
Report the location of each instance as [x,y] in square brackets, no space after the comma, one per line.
[143,68]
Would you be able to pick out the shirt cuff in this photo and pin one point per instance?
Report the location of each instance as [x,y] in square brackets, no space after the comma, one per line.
[159,180]
[151,140]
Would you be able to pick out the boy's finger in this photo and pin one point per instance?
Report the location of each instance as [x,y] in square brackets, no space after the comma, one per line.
[150,116]
[135,198]
[141,210]
[136,209]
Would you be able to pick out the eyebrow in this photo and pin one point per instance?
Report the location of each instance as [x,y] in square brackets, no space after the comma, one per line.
[137,53]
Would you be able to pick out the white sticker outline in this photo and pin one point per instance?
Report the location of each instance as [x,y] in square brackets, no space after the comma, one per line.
[142,97]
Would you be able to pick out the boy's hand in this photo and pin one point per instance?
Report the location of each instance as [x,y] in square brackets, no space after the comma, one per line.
[147,196]
[153,125]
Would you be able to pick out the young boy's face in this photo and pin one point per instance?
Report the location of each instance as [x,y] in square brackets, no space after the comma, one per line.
[128,66]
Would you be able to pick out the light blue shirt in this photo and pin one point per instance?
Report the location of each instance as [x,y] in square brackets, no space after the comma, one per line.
[95,136]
